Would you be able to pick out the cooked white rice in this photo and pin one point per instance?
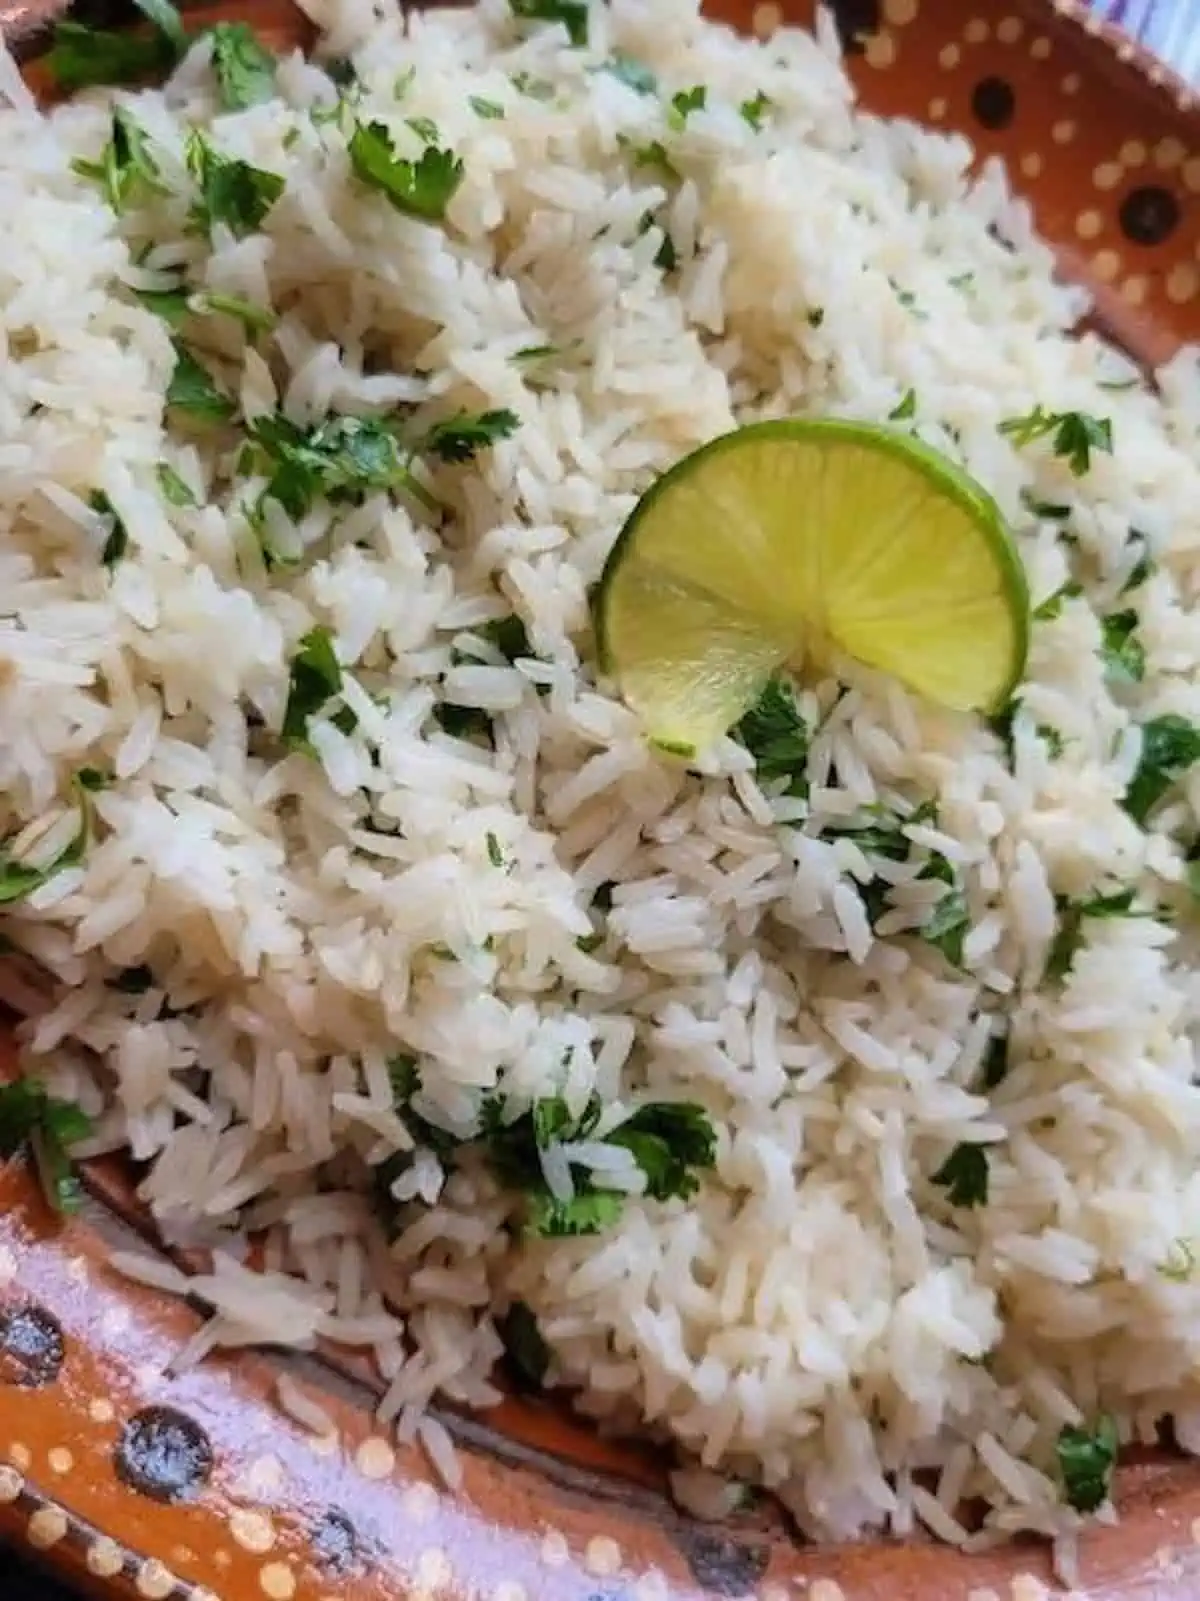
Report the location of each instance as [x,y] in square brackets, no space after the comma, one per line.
[819,1317]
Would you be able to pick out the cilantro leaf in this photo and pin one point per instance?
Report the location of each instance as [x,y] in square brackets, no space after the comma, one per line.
[342,458]
[573,14]
[1170,745]
[905,408]
[1052,606]
[17,880]
[231,191]
[588,1213]
[126,170]
[653,155]
[631,73]
[494,852]
[30,1115]
[172,305]
[489,110]
[964,1175]
[82,57]
[1076,434]
[167,20]
[461,437]
[173,488]
[406,1084]
[254,318]
[669,1140]
[315,677]
[1121,651]
[1044,510]
[776,735]
[1143,570]
[244,67]
[753,111]
[947,925]
[532,88]
[1071,917]
[117,540]
[526,1351]
[508,635]
[421,189]
[666,257]
[1086,1459]
[463,722]
[192,390]
[684,103]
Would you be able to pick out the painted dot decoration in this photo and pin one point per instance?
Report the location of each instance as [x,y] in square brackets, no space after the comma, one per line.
[993,103]
[31,1347]
[721,1565]
[46,1527]
[104,1558]
[1149,214]
[163,1454]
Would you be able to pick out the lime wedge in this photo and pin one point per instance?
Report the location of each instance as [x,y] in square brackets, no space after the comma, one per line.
[791,542]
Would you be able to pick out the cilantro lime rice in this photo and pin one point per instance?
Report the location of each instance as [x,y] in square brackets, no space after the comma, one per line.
[822,1106]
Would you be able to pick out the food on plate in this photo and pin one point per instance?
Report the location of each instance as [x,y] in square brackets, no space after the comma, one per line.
[815,1094]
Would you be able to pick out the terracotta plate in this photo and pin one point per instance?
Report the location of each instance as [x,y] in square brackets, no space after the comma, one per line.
[138,1483]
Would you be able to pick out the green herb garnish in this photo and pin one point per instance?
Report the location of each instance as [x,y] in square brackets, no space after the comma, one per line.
[126,170]
[907,407]
[232,192]
[244,67]
[1076,434]
[1052,606]
[573,14]
[632,73]
[1170,746]
[755,109]
[964,1175]
[461,437]
[342,458]
[1071,917]
[421,189]
[776,735]
[29,1115]
[117,540]
[173,488]
[82,56]
[315,678]
[489,110]
[1121,651]
[684,103]
[1086,1459]
[192,390]
[947,925]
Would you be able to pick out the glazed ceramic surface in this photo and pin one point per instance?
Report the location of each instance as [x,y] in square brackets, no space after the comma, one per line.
[132,1481]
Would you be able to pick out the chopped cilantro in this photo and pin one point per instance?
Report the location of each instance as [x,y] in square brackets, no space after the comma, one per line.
[1120,650]
[461,437]
[192,390]
[588,943]
[946,927]
[93,779]
[527,1353]
[591,1212]
[314,679]
[244,67]
[232,192]
[1044,510]
[755,109]
[815,316]
[1086,1459]
[670,1141]
[81,57]
[254,318]
[1052,606]
[905,408]
[29,1115]
[1180,1262]
[494,852]
[666,257]
[631,73]
[117,539]
[533,353]
[1071,917]
[532,88]
[1052,739]
[172,305]
[964,1175]
[1170,745]
[776,735]
[17,880]
[462,722]
[341,458]
[421,189]
[1143,570]
[425,129]
[653,155]
[508,635]
[173,488]
[573,14]
[684,103]
[1076,434]
[126,170]
[489,110]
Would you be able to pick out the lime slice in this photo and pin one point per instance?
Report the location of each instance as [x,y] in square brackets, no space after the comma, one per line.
[794,541]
